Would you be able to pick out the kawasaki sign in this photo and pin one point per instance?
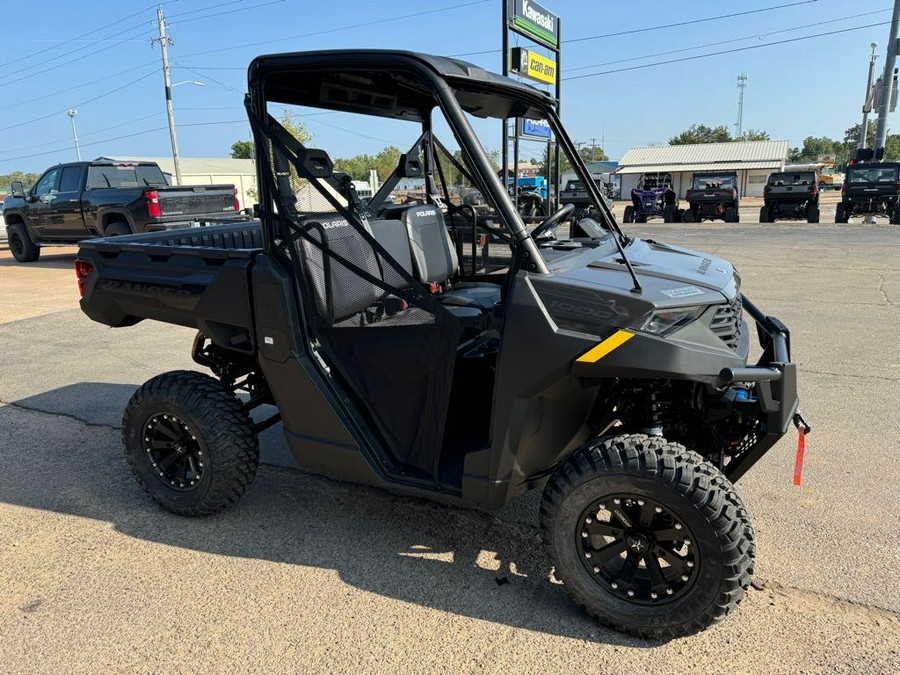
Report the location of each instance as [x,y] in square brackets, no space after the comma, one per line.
[534,21]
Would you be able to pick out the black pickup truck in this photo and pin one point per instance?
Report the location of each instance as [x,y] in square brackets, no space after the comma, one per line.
[870,189]
[790,195]
[71,202]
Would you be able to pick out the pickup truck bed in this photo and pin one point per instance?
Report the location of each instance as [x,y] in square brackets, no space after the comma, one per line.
[194,277]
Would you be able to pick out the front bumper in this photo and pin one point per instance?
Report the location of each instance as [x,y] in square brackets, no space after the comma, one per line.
[775,383]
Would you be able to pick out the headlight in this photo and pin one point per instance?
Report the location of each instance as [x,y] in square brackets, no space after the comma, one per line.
[664,321]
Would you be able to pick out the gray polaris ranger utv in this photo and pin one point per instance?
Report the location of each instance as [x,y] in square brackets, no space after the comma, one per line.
[443,349]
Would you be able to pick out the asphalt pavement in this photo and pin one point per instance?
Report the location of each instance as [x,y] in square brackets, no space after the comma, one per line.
[312,575]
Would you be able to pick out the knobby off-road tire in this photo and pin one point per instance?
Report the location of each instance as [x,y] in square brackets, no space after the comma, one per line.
[669,213]
[731,215]
[23,248]
[812,213]
[687,216]
[764,214]
[663,491]
[628,215]
[189,443]
[840,214]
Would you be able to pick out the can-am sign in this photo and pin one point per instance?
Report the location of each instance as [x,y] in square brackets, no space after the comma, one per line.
[531,65]
[533,20]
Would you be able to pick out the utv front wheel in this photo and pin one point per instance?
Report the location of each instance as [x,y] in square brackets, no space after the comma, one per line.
[628,216]
[189,443]
[647,536]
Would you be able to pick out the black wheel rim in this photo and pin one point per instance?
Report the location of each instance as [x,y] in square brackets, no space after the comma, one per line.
[15,243]
[173,451]
[637,549]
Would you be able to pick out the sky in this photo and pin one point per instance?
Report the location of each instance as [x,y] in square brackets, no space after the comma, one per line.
[97,57]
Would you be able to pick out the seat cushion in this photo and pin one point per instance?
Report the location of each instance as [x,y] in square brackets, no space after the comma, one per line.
[433,256]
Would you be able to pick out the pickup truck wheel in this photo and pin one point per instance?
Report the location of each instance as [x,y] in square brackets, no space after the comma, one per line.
[812,213]
[189,443]
[117,229]
[647,536]
[23,248]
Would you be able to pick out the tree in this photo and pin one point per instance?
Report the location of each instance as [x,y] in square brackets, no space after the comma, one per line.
[754,135]
[592,154]
[700,133]
[851,136]
[28,179]
[242,150]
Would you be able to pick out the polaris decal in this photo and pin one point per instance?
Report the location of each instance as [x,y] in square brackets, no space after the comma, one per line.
[683,292]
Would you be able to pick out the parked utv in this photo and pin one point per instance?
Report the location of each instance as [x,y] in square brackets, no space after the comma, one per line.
[790,195]
[607,371]
[653,198]
[870,189]
[712,195]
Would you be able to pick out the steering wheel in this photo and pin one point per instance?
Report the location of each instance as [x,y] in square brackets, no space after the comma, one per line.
[552,221]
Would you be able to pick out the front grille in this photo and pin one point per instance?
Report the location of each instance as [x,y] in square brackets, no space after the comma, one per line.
[727,323]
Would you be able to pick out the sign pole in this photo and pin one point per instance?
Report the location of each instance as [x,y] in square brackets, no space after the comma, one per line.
[505,56]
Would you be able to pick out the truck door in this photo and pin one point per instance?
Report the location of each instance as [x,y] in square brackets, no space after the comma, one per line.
[65,217]
[39,208]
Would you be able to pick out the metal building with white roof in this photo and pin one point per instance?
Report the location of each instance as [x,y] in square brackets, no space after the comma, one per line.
[753,161]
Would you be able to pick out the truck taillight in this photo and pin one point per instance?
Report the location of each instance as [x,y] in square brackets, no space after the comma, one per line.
[152,197]
[815,188]
[83,269]
[237,203]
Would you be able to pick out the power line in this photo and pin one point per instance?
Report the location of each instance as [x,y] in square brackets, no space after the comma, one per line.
[77,86]
[96,30]
[342,28]
[218,5]
[118,138]
[84,56]
[661,26]
[90,133]
[231,11]
[77,105]
[727,51]
[759,36]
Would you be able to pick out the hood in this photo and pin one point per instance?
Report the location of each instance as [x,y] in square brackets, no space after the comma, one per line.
[670,276]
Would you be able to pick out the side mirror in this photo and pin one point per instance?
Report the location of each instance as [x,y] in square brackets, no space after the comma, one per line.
[16,189]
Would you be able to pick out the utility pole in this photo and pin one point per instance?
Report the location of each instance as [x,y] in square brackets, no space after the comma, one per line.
[867,103]
[593,146]
[742,83]
[164,43]
[71,112]
[890,60]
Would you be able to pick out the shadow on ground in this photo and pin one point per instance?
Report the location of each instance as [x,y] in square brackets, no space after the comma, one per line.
[61,261]
[446,558]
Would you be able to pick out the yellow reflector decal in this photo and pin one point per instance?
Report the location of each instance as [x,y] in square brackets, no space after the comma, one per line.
[614,341]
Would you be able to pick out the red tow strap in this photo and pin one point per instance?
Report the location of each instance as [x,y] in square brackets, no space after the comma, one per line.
[801,449]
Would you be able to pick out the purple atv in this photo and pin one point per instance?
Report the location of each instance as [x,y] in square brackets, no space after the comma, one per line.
[653,198]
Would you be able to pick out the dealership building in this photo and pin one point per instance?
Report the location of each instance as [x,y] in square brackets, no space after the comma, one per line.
[752,160]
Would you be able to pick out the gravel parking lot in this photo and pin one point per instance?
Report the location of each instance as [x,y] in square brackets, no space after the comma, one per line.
[312,575]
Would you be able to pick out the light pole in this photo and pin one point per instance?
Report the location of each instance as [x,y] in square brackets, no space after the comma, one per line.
[71,112]
[890,59]
[867,104]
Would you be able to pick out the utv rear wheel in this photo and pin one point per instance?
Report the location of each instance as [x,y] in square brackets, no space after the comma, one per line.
[628,216]
[895,217]
[731,215]
[764,214]
[840,214]
[647,536]
[20,244]
[189,443]
[669,213]
[812,213]
[687,216]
